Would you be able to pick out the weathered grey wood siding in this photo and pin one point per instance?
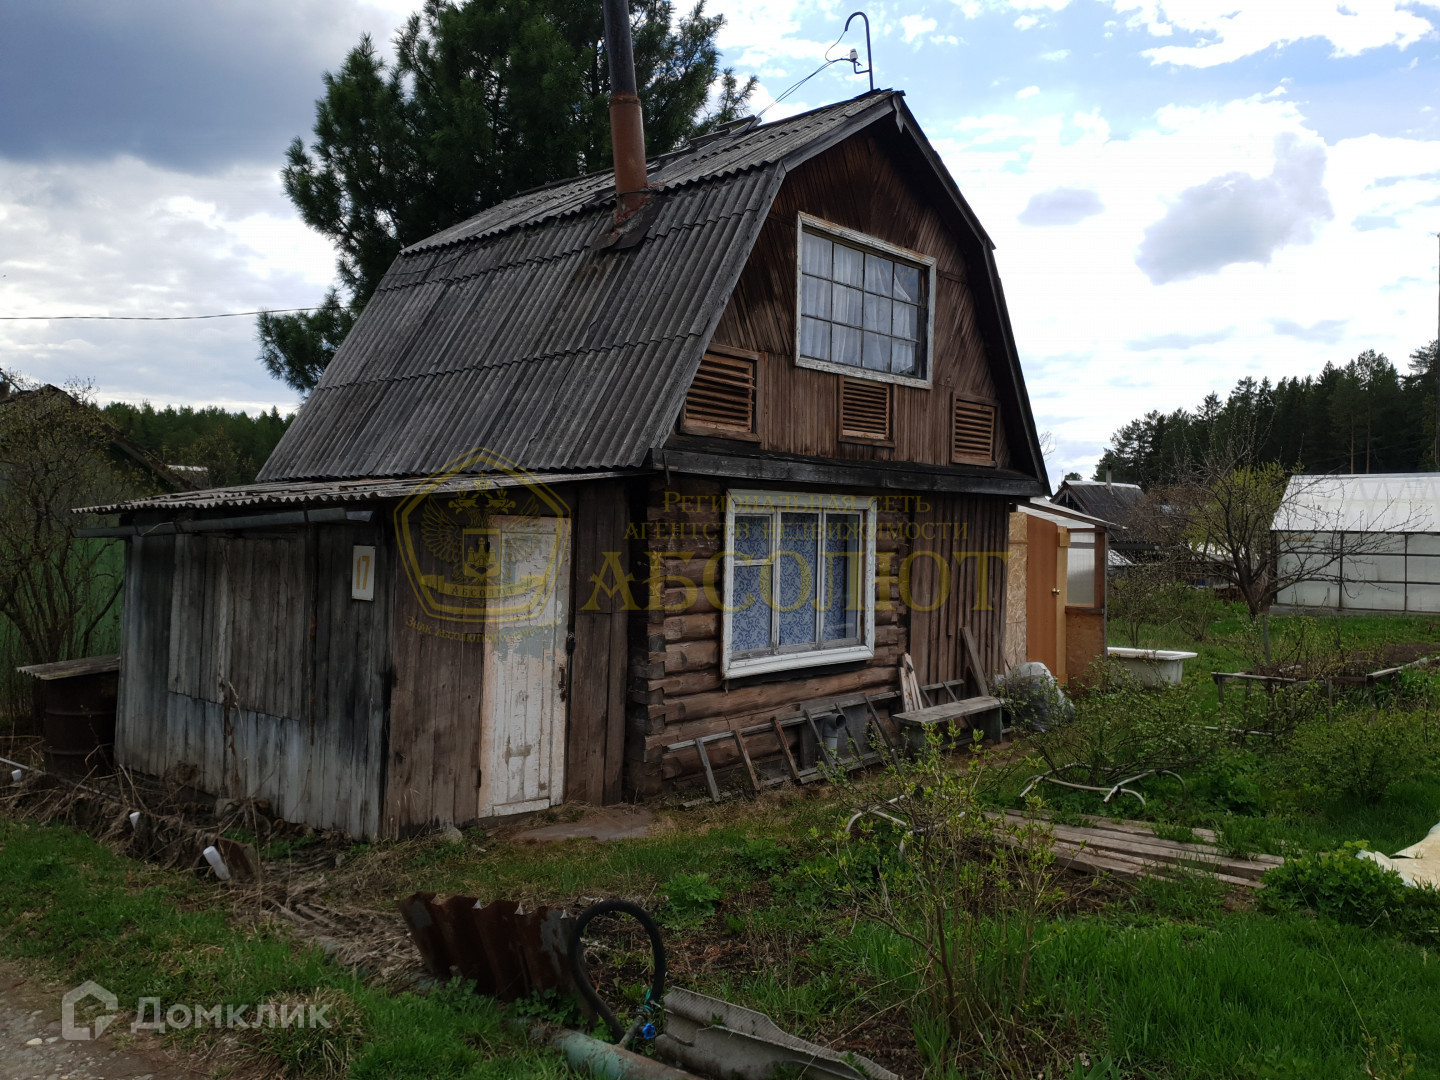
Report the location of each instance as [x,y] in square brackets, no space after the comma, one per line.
[247,671]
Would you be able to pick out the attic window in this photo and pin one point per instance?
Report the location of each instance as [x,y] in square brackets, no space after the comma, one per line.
[721,400]
[864,305]
[972,436]
[864,409]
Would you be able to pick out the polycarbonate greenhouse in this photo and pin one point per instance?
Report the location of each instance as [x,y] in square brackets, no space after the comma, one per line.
[1368,543]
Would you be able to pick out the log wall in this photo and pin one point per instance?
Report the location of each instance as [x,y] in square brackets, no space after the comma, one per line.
[676,691]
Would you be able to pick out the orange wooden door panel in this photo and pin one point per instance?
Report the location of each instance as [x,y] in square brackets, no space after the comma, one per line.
[1040,585]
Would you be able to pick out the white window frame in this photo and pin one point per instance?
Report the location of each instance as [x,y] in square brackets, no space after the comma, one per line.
[750,502]
[814,224]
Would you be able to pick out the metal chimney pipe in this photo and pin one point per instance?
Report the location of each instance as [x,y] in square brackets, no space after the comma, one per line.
[627,124]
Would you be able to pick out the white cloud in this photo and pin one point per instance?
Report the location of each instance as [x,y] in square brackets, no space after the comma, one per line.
[759,31]
[1061,206]
[1027,92]
[1058,54]
[973,9]
[1238,218]
[915,25]
[128,238]
[1026,22]
[1231,29]
[1101,344]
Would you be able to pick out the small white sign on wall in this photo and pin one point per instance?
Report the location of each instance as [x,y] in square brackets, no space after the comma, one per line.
[362,574]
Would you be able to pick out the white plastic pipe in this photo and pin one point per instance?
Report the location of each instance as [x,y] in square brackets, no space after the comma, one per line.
[135,819]
[212,856]
[17,776]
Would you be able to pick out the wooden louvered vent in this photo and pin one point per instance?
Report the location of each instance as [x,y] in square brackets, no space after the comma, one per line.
[864,409]
[972,438]
[722,395]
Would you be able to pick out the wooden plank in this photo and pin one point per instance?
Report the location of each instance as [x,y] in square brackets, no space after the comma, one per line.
[785,748]
[709,772]
[946,710]
[972,657]
[1080,857]
[1160,851]
[745,755]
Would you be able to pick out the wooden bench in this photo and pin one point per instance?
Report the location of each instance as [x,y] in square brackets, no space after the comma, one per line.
[981,712]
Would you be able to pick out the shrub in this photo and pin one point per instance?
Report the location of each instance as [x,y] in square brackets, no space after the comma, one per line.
[966,888]
[765,857]
[1341,886]
[1195,609]
[1357,754]
[690,899]
[1126,731]
[1236,781]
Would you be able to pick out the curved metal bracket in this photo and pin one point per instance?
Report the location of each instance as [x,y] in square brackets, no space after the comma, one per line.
[869,68]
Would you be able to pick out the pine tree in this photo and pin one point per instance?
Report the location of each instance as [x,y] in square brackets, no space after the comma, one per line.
[483,99]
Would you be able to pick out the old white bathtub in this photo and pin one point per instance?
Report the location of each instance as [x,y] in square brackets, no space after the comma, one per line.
[1152,667]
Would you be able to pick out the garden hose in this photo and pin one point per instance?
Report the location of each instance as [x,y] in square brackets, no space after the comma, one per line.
[643,1026]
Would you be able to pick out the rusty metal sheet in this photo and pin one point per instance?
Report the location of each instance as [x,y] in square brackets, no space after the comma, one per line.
[506,951]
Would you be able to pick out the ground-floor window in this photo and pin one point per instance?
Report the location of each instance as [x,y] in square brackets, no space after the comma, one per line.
[799,580]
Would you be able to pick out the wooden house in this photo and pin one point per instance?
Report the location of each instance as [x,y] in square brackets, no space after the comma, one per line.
[585,485]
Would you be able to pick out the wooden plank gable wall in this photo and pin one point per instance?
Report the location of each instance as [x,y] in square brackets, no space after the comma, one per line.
[858,185]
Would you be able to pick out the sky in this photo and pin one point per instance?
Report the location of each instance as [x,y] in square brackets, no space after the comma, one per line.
[1182,193]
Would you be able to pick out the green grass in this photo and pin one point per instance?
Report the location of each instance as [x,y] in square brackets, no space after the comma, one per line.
[1247,991]
[1225,645]
[84,912]
[1164,979]
[1161,980]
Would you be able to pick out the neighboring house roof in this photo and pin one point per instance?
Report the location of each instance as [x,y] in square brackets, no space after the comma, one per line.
[166,476]
[1053,512]
[1111,502]
[518,332]
[1367,502]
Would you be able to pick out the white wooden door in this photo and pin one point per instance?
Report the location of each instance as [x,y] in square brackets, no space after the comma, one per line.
[522,715]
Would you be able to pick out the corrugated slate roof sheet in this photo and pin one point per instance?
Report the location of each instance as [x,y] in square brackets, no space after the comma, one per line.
[325,492]
[1111,502]
[513,332]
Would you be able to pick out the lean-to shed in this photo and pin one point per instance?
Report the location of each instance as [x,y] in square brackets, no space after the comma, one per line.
[576,492]
[1372,540]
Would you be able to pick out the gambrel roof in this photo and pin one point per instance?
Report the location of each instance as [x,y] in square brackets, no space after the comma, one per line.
[521,331]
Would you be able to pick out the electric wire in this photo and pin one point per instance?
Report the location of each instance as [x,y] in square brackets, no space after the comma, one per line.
[802,82]
[807,78]
[154,318]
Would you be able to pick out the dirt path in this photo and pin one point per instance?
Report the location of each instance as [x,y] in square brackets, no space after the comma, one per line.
[31,1046]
